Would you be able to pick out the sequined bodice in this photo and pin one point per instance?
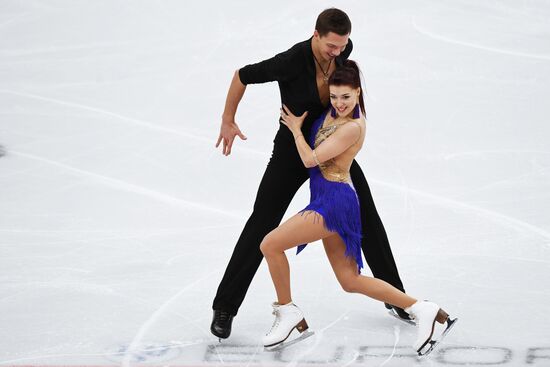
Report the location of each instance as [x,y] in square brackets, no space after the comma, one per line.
[330,170]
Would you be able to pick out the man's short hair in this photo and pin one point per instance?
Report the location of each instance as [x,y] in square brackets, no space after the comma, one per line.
[333,20]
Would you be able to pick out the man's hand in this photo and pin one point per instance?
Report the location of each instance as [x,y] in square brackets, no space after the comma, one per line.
[228,131]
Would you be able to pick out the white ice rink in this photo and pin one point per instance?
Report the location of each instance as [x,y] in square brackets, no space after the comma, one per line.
[118,215]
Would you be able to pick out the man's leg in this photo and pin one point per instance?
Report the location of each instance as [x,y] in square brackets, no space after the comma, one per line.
[282,179]
[375,244]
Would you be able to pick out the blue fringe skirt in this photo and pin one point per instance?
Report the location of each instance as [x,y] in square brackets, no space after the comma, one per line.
[338,204]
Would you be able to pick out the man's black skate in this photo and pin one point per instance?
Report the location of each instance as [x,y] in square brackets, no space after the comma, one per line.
[221,324]
[399,314]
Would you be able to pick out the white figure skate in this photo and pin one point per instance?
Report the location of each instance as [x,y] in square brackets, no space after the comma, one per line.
[426,314]
[287,319]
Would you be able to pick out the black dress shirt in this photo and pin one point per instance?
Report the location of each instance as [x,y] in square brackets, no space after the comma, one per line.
[295,72]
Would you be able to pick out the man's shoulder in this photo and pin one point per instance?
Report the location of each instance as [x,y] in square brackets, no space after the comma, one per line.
[298,48]
[348,49]
[295,58]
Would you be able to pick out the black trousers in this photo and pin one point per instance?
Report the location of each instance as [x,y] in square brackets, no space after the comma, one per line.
[284,175]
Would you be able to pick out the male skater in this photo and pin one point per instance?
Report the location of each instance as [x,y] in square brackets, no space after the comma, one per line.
[302,74]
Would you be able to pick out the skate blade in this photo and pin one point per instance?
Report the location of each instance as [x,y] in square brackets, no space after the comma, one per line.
[287,343]
[396,315]
[433,343]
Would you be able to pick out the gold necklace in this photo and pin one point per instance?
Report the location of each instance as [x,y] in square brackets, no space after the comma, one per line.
[335,123]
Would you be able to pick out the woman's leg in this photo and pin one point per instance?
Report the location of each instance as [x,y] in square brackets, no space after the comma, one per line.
[299,229]
[345,270]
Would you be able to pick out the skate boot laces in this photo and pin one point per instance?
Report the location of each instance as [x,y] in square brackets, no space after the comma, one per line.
[276,322]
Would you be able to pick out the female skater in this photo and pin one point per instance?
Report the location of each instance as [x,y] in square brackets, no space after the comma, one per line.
[333,216]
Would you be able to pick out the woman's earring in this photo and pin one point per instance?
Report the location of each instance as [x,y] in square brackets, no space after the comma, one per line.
[332,112]
[356,112]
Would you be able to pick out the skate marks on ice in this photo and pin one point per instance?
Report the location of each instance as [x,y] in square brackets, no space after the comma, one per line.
[130,187]
[396,333]
[151,352]
[503,219]
[425,32]
[146,326]
[156,353]
[473,45]
[302,336]
[132,121]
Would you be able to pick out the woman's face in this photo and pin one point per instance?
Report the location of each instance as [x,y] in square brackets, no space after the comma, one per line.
[343,98]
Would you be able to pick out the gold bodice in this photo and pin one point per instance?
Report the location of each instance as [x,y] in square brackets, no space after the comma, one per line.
[330,169]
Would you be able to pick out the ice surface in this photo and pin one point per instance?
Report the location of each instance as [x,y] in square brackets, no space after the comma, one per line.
[118,215]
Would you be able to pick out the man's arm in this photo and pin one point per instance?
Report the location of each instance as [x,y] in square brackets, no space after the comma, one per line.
[280,67]
[277,68]
[229,128]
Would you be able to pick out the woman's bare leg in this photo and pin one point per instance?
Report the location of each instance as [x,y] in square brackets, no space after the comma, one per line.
[297,230]
[345,270]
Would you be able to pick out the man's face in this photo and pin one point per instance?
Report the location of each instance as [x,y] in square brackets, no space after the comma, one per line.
[331,44]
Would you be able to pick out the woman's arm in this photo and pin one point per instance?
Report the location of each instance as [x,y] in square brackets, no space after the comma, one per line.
[334,145]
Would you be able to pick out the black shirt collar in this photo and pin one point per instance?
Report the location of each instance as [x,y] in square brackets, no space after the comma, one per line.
[339,60]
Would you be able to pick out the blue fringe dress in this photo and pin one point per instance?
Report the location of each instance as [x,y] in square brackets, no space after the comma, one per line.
[333,197]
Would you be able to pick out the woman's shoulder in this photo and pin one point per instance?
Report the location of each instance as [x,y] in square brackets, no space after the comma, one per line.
[349,128]
[355,122]
[354,129]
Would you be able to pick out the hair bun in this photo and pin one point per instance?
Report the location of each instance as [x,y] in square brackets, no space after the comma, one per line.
[351,64]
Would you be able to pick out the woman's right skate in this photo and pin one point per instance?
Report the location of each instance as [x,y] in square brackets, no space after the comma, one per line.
[426,314]
[287,319]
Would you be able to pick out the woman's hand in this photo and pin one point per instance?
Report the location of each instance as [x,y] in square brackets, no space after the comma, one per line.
[294,123]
